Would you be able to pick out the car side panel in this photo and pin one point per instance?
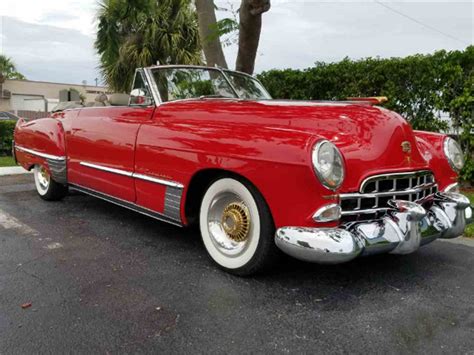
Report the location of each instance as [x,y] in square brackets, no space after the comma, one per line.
[275,162]
[105,138]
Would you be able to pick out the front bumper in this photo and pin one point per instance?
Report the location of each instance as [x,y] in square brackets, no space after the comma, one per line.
[402,230]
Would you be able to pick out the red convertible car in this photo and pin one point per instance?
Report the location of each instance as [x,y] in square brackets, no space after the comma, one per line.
[324,182]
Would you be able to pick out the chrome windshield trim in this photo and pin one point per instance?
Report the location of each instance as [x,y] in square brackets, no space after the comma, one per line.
[154,88]
[158,181]
[39,154]
[104,168]
[134,175]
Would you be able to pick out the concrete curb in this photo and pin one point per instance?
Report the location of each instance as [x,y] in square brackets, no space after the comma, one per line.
[13,170]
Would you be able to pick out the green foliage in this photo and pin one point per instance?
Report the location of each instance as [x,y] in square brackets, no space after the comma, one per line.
[6,136]
[140,33]
[224,30]
[8,69]
[469,232]
[7,161]
[418,87]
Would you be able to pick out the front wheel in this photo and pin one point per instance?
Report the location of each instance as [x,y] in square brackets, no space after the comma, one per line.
[236,227]
[47,188]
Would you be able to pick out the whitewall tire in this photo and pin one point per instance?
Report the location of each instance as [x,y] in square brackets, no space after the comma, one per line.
[236,227]
[47,188]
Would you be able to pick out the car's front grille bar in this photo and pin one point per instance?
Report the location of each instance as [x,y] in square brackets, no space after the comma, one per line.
[376,191]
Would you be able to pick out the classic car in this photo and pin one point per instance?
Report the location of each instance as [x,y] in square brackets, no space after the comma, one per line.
[324,182]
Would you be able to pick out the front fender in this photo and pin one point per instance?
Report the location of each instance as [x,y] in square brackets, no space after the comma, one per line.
[431,146]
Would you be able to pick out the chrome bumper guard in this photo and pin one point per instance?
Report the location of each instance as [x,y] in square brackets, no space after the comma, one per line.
[405,227]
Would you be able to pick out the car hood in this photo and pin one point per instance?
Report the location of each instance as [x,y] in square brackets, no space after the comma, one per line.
[369,137]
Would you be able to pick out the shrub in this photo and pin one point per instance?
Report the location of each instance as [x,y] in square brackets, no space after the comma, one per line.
[419,87]
[6,136]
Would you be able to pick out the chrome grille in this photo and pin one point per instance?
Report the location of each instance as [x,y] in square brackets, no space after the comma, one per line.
[376,191]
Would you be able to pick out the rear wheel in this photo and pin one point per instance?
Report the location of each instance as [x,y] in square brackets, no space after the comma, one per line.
[47,188]
[236,227]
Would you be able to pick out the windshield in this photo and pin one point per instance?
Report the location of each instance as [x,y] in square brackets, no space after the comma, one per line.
[247,87]
[178,83]
[187,83]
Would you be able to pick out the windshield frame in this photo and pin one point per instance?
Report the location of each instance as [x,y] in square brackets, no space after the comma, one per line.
[156,93]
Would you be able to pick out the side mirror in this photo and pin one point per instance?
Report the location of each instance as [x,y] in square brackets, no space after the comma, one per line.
[140,98]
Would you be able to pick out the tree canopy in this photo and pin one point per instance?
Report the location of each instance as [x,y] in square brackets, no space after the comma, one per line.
[139,33]
[419,87]
[8,69]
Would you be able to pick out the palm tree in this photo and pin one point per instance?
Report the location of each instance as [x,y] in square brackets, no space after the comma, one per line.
[139,33]
[8,69]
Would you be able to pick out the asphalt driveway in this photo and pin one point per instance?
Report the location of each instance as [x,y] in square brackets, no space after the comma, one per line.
[102,279]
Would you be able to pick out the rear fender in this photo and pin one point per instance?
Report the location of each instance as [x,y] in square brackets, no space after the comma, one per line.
[42,142]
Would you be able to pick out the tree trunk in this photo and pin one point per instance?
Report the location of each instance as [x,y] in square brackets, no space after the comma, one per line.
[249,33]
[211,43]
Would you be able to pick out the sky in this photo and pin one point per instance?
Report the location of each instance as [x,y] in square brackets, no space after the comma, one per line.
[52,40]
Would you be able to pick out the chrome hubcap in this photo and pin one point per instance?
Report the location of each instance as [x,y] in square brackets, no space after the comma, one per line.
[229,224]
[43,178]
[236,221]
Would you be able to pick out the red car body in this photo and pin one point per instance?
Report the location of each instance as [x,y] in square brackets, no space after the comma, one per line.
[160,159]
[268,143]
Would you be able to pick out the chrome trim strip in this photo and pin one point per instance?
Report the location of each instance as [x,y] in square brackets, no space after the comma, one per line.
[367,211]
[109,170]
[134,175]
[452,188]
[393,175]
[126,204]
[158,181]
[39,154]
[421,188]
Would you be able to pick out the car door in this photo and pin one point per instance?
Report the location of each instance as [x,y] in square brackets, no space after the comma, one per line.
[101,144]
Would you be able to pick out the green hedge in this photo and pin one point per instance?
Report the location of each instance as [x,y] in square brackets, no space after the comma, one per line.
[6,136]
[418,87]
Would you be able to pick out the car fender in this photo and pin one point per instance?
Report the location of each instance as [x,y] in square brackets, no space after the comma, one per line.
[42,142]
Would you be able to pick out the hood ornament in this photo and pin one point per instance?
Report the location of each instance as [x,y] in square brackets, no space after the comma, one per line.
[406,147]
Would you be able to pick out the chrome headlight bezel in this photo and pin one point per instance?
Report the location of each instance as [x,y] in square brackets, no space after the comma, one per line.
[448,145]
[324,173]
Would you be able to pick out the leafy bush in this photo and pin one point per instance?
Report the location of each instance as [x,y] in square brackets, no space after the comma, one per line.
[419,87]
[6,136]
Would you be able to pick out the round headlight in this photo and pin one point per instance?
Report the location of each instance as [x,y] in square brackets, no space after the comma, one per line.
[328,164]
[454,154]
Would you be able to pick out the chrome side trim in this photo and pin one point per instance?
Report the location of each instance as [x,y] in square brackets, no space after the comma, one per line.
[128,205]
[173,194]
[39,154]
[158,181]
[173,203]
[58,170]
[109,170]
[133,175]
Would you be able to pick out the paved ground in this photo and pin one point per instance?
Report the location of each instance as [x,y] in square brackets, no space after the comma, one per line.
[103,279]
